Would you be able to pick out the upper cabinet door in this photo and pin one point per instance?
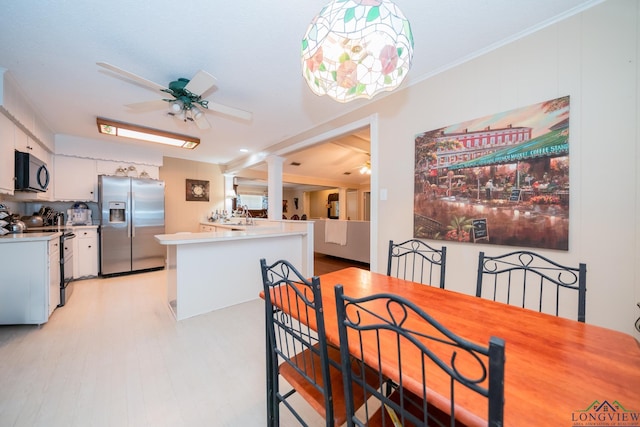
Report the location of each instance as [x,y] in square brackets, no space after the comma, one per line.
[24,143]
[75,179]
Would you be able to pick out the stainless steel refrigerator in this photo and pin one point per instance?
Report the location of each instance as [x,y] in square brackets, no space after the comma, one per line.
[131,213]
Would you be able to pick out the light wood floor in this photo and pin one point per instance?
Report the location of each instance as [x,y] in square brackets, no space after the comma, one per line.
[115,356]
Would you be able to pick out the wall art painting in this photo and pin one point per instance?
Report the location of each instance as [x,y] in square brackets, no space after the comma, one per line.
[502,179]
[197,191]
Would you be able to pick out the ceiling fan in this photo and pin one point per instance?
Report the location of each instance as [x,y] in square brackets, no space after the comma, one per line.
[186,97]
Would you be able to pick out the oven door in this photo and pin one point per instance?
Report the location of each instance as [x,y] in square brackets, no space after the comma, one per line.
[66,267]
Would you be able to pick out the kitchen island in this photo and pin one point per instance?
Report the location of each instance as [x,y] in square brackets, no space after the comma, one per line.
[30,279]
[211,270]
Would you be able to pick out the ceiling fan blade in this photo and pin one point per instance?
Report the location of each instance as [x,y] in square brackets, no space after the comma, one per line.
[230,111]
[158,104]
[202,122]
[135,78]
[200,83]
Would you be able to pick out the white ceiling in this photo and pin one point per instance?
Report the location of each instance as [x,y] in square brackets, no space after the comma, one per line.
[253,49]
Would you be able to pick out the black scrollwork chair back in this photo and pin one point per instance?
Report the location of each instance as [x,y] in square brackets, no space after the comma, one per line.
[416,261]
[532,281]
[449,365]
[297,349]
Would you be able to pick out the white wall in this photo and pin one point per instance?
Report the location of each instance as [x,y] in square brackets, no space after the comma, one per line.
[592,57]
[318,201]
[183,215]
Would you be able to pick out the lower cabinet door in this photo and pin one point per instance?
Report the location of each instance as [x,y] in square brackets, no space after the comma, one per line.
[86,256]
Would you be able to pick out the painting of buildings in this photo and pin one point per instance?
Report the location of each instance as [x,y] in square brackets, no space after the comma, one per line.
[501,179]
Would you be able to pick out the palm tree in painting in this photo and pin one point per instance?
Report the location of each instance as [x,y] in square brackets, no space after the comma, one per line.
[458,229]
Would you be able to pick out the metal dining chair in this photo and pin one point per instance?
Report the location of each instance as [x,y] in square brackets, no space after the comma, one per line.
[416,261]
[297,349]
[531,281]
[386,328]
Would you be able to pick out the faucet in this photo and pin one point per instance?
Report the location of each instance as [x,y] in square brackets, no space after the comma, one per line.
[248,219]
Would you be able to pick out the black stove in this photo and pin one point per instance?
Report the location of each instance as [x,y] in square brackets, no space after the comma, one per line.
[66,258]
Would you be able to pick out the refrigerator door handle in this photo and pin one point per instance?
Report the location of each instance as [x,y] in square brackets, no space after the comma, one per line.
[132,203]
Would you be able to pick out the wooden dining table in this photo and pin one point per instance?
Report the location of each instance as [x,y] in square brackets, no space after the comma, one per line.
[558,372]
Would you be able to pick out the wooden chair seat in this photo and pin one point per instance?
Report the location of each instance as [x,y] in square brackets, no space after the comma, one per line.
[413,405]
[311,394]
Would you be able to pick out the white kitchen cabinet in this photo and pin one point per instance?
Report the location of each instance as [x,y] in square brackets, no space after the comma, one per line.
[7,158]
[26,144]
[85,252]
[75,179]
[205,227]
[18,107]
[26,286]
[54,274]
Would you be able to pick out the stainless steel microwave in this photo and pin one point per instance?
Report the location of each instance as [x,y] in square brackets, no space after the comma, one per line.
[31,173]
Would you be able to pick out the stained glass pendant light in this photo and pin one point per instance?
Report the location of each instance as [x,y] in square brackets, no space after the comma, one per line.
[356,49]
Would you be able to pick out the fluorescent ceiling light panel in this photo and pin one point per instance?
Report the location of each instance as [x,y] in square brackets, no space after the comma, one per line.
[127,130]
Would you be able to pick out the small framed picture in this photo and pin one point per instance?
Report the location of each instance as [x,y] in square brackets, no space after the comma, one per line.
[197,191]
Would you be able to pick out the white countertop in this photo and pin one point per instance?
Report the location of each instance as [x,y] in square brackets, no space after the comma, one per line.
[28,237]
[239,224]
[255,232]
[49,232]
[46,232]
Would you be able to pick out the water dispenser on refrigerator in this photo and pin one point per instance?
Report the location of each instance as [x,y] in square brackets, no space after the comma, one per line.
[117,211]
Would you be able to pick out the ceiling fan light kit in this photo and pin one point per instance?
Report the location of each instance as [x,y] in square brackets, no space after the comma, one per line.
[185,101]
[127,130]
[176,106]
[357,49]
[366,168]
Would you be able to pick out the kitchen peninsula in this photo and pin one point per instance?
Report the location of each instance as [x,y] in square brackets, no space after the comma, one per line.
[207,271]
[30,283]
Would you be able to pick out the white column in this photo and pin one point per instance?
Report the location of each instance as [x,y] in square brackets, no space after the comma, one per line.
[274,185]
